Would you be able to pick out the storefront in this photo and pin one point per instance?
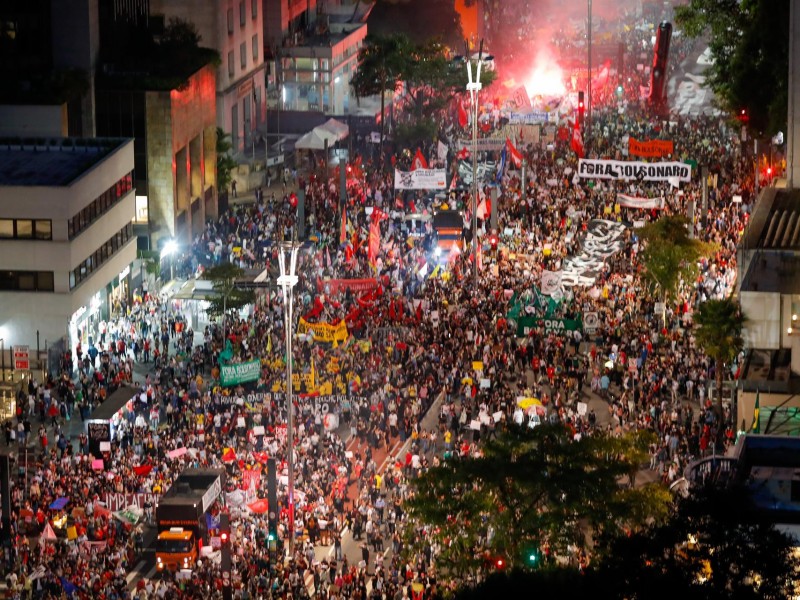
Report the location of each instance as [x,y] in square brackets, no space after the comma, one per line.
[119,293]
[84,325]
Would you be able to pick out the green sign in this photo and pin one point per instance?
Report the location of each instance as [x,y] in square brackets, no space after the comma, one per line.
[240,372]
[525,324]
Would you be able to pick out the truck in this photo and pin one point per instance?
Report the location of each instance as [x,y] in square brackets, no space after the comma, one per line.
[181,517]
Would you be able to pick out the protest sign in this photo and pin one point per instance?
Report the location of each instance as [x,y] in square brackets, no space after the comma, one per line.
[240,372]
[620,169]
[525,324]
[420,179]
[324,332]
[650,148]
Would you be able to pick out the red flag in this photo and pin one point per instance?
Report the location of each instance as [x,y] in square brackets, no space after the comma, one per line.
[375,235]
[259,507]
[514,154]
[462,116]
[462,154]
[143,470]
[577,141]
[419,161]
[343,231]
[228,455]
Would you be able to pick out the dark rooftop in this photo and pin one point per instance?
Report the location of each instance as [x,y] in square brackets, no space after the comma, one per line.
[50,162]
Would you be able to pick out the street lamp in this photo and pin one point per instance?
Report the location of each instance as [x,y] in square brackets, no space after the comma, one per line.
[474,87]
[287,281]
[169,249]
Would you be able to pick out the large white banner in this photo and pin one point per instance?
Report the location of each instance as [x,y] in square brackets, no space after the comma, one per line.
[529,118]
[619,169]
[420,179]
[627,201]
[603,240]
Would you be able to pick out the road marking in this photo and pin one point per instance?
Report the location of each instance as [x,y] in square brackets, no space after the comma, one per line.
[139,566]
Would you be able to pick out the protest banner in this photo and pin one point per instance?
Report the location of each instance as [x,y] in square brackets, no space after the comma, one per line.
[525,324]
[338,286]
[627,201]
[324,332]
[117,501]
[650,148]
[620,169]
[603,239]
[240,372]
[420,179]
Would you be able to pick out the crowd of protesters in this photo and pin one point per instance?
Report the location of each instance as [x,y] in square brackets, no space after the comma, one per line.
[414,336]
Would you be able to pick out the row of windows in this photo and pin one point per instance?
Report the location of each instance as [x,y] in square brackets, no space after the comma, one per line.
[242,56]
[100,256]
[242,14]
[98,207]
[26,229]
[26,281]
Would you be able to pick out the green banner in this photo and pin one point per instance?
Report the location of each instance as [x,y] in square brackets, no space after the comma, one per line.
[240,372]
[525,324]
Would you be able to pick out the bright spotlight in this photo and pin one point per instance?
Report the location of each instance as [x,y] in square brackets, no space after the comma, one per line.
[171,247]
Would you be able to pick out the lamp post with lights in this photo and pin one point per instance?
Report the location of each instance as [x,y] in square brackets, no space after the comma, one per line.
[287,280]
[474,87]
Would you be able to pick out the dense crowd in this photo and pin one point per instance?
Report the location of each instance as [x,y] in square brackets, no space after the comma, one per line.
[415,334]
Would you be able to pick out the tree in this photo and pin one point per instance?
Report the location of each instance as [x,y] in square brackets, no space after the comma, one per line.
[718,331]
[715,545]
[225,162]
[670,255]
[382,63]
[228,296]
[749,42]
[531,488]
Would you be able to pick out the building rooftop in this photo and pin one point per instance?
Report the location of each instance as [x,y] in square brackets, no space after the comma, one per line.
[51,162]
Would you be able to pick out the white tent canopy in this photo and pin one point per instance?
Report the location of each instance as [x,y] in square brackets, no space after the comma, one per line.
[339,129]
[315,140]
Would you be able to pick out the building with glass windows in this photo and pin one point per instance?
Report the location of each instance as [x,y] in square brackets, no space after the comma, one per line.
[66,240]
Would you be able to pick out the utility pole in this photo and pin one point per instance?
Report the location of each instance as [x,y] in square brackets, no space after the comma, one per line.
[474,87]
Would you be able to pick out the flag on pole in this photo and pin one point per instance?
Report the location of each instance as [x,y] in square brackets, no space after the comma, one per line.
[577,140]
[343,230]
[756,427]
[419,161]
[502,166]
[514,154]
[462,115]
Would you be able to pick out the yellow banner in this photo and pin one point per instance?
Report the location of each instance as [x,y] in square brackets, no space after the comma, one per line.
[324,332]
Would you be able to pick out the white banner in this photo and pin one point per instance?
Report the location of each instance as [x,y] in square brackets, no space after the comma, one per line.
[603,240]
[493,144]
[528,118]
[627,201]
[420,179]
[620,169]
[551,282]
[441,152]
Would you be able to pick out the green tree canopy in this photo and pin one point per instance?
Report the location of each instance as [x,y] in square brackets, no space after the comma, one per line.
[532,487]
[225,162]
[749,42]
[228,297]
[718,331]
[670,255]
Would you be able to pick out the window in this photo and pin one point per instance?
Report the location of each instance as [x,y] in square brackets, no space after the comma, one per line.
[100,256]
[26,281]
[243,55]
[242,14]
[255,48]
[6,228]
[89,214]
[230,21]
[254,8]
[24,228]
[230,63]
[43,229]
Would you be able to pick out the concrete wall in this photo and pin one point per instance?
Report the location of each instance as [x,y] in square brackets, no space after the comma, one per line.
[33,121]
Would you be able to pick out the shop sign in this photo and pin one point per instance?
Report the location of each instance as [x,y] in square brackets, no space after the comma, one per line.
[22,360]
[124,273]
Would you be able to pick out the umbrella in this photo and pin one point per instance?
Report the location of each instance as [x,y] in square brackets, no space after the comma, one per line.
[59,504]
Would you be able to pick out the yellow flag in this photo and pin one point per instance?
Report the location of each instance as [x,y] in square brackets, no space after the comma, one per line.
[269,344]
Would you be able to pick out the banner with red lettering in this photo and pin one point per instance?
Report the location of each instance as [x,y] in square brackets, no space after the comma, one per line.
[650,148]
[251,479]
[338,286]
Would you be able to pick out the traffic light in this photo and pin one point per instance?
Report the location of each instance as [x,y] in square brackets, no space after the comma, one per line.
[499,563]
[224,538]
[743,116]
[493,241]
[581,108]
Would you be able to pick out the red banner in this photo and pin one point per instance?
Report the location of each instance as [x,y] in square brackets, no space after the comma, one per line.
[650,148]
[337,286]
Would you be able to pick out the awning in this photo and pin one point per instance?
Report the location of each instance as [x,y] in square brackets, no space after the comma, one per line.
[315,140]
[337,128]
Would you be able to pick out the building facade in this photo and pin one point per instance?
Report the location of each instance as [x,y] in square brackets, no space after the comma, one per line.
[235,29]
[175,153]
[66,239]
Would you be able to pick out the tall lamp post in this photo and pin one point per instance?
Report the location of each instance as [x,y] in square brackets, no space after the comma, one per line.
[474,87]
[287,280]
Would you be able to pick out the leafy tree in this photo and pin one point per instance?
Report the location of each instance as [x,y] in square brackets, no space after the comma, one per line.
[716,545]
[749,42]
[382,64]
[228,296]
[670,255]
[718,331]
[225,162]
[531,488]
